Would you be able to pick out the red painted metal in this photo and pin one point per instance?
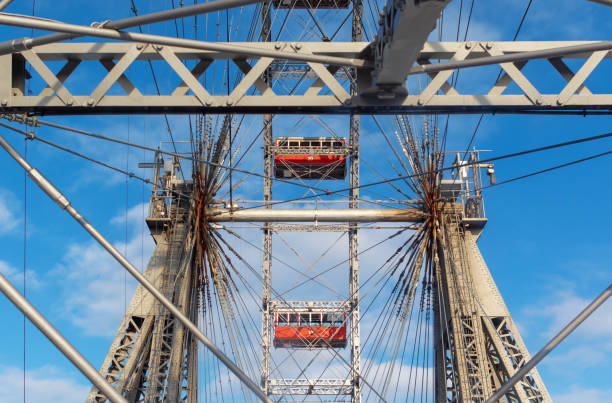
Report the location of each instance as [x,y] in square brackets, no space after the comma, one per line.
[298,334]
[310,158]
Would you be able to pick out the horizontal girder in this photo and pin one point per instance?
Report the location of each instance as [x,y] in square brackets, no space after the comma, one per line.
[315,215]
[325,90]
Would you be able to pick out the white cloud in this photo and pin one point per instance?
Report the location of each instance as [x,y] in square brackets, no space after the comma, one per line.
[135,215]
[568,305]
[578,394]
[44,384]
[96,289]
[15,276]
[580,357]
[8,219]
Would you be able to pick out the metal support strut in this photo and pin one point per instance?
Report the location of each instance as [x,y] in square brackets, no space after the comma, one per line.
[56,338]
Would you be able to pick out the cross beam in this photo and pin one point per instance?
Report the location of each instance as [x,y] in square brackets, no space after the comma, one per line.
[326,89]
[316,215]
[404,28]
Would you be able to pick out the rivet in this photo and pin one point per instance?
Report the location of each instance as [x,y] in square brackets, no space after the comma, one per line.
[90,101]
[489,45]
[139,46]
[70,101]
[4,102]
[277,45]
[468,45]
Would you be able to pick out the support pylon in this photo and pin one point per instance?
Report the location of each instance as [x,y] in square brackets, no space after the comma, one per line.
[478,347]
[153,357]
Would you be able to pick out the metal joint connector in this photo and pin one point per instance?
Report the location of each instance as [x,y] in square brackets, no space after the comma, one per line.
[49,189]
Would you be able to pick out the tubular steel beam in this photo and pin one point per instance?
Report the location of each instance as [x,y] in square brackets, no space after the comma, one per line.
[4,4]
[59,341]
[178,42]
[554,342]
[604,2]
[28,43]
[64,203]
[316,215]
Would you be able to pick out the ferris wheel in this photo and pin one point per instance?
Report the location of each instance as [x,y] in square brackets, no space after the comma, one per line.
[325,251]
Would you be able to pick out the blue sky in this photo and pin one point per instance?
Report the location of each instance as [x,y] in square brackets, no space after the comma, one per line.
[546,243]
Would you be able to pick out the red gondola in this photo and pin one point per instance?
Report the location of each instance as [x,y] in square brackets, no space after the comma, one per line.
[310,157]
[309,329]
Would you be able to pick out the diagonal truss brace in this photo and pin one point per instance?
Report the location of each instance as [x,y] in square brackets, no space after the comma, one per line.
[326,89]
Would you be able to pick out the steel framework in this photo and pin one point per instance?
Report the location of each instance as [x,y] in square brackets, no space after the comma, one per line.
[328,92]
[478,347]
[482,348]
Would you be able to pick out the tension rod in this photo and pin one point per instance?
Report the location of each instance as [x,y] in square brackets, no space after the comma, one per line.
[64,203]
[157,40]
[554,342]
[59,341]
[160,16]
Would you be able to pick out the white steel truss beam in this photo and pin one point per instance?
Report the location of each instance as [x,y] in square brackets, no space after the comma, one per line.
[326,91]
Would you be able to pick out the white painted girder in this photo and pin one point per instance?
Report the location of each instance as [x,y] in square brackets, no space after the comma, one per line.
[513,92]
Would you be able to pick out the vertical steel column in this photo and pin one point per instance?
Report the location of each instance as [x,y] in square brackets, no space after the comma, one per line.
[266,337]
[353,234]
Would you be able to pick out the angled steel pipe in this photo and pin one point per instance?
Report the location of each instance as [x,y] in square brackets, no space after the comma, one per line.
[554,342]
[16,45]
[604,2]
[512,57]
[4,4]
[59,341]
[64,203]
[178,42]
[315,215]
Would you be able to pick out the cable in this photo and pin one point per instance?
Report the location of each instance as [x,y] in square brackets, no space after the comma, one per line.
[181,156]
[592,157]
[325,192]
[31,136]
[135,11]
[25,237]
[518,30]
[439,170]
